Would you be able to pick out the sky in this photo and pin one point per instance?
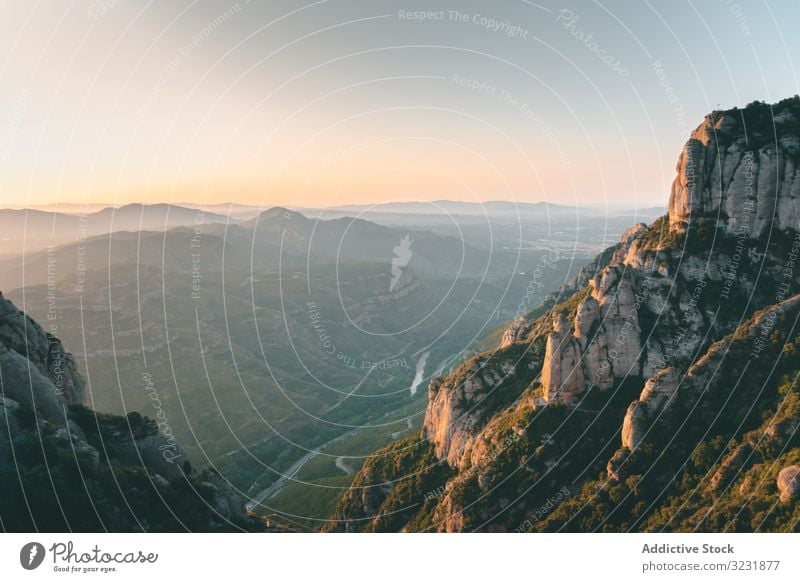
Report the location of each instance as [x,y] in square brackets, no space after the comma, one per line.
[323,103]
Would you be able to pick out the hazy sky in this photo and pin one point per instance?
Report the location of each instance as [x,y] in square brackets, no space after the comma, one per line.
[332,102]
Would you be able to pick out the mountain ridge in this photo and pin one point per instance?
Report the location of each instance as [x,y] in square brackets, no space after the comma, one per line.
[586,392]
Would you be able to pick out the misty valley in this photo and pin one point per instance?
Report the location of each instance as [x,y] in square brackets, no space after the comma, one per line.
[283,350]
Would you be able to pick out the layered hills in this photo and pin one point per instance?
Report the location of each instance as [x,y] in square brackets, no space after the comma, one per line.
[30,230]
[280,350]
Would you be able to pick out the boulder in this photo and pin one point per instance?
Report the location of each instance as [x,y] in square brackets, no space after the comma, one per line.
[789,482]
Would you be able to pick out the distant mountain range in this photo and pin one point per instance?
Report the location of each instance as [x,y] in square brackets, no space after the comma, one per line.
[248,211]
[491,208]
[33,230]
[480,225]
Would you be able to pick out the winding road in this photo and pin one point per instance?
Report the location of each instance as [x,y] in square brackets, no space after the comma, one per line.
[292,471]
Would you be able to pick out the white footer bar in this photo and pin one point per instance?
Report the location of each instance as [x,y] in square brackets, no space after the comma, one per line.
[400,557]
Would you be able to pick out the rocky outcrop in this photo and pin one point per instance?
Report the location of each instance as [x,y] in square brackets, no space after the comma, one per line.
[43,352]
[739,171]
[139,442]
[457,406]
[525,327]
[658,393]
[666,386]
[228,504]
[563,375]
[600,346]
[616,464]
[449,514]
[736,180]
[41,396]
[731,467]
[789,482]
[518,330]
[38,375]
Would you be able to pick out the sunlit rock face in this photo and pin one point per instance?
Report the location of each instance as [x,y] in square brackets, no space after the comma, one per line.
[659,390]
[602,342]
[739,171]
[456,407]
[649,342]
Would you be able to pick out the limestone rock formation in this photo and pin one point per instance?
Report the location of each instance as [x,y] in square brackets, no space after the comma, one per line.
[616,463]
[731,467]
[457,406]
[734,173]
[739,181]
[228,504]
[522,327]
[39,375]
[602,344]
[658,392]
[563,373]
[517,330]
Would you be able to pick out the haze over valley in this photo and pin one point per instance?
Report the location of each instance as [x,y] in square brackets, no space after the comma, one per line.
[260,340]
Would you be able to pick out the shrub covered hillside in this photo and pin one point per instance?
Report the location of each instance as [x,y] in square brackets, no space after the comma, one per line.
[64,467]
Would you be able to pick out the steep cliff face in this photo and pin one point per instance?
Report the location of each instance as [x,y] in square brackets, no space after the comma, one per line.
[736,177]
[671,346]
[460,405]
[658,393]
[22,337]
[601,345]
[65,467]
[38,375]
[739,171]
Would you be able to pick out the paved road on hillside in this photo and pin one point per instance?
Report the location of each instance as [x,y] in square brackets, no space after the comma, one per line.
[292,471]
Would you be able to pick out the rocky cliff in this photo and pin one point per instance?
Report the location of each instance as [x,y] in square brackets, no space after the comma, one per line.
[64,467]
[739,171]
[650,379]
[25,345]
[736,177]
[460,405]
